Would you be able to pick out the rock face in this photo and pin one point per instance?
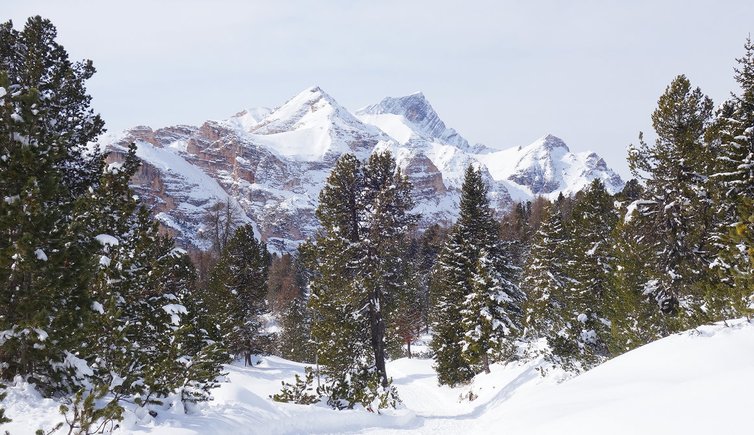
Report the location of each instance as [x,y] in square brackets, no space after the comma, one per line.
[271,164]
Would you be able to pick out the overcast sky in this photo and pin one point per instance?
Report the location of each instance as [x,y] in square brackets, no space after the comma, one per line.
[502,73]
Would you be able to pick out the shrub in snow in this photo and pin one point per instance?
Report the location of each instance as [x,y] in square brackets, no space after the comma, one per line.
[299,392]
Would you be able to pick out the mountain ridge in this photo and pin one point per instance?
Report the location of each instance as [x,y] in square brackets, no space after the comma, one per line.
[272,163]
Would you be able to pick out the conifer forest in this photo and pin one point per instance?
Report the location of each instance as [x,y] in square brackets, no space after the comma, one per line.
[103,312]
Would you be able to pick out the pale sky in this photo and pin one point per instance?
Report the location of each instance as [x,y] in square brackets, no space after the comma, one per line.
[502,73]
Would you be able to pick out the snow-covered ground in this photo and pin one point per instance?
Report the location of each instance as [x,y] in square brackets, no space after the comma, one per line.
[698,382]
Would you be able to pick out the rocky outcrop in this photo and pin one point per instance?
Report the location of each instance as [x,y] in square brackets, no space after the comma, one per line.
[271,164]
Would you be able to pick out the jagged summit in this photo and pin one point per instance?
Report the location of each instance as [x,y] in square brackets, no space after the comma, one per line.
[273,163]
[551,142]
[308,106]
[411,118]
[312,126]
[548,167]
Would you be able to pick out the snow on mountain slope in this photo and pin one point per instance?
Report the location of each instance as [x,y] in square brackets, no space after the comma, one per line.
[413,118]
[274,163]
[247,119]
[695,383]
[547,167]
[312,125]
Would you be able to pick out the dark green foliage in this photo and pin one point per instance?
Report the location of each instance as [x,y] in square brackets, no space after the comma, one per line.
[516,229]
[635,319]
[358,273]
[288,297]
[46,123]
[545,281]
[363,387]
[477,306]
[237,297]
[3,394]
[590,268]
[83,415]
[452,267]
[674,215]
[295,341]
[300,392]
[732,189]
[94,302]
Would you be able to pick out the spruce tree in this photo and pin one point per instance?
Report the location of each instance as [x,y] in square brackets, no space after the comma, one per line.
[3,394]
[545,281]
[288,297]
[449,289]
[590,267]
[295,342]
[92,297]
[238,289]
[477,304]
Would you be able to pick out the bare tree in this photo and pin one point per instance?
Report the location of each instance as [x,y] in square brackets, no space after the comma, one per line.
[219,224]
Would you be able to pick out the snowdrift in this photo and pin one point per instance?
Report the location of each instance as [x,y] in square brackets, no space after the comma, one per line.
[697,382]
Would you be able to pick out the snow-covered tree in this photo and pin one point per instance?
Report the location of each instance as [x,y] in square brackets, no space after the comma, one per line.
[45,169]
[590,267]
[358,272]
[675,212]
[732,186]
[93,301]
[477,306]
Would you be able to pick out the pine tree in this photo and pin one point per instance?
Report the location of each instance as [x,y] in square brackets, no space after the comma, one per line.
[337,329]
[425,253]
[408,313]
[3,394]
[288,296]
[238,287]
[93,297]
[590,267]
[45,260]
[358,272]
[675,213]
[516,230]
[545,281]
[477,304]
[733,194]
[385,219]
[449,289]
[295,341]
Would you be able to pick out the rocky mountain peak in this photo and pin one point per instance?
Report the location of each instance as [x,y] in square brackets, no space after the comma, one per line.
[415,109]
[549,143]
[272,164]
[310,106]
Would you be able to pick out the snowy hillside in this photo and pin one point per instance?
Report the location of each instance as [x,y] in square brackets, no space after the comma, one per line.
[698,382]
[272,163]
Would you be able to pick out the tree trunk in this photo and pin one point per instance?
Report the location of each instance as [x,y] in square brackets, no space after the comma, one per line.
[486,362]
[377,326]
[408,344]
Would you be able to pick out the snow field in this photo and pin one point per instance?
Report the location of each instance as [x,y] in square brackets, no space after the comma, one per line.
[697,382]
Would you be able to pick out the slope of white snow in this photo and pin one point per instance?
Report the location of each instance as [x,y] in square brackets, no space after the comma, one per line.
[247,119]
[698,382]
[310,126]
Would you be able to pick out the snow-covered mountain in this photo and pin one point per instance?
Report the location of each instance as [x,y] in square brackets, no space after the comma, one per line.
[271,164]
